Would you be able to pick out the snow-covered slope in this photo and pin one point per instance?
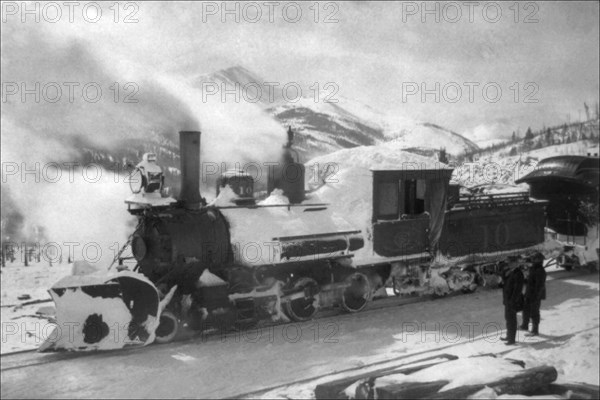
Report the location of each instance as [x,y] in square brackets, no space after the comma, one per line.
[328,122]
[325,127]
[491,142]
[409,132]
[500,167]
[349,123]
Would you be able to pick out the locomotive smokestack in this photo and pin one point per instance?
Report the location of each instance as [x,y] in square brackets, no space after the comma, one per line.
[189,149]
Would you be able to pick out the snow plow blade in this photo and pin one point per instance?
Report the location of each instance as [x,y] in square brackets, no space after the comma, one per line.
[105,312]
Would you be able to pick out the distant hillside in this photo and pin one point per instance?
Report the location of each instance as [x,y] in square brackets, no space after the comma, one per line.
[323,127]
[546,137]
[504,163]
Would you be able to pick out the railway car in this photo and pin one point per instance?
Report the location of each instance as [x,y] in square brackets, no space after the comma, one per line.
[570,185]
[236,261]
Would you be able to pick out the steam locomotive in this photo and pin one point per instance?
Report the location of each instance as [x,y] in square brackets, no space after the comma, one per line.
[236,261]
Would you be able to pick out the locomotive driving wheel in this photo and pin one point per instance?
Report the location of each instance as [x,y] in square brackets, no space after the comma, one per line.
[358,293]
[167,328]
[304,303]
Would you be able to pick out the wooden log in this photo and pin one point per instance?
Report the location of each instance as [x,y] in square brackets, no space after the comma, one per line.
[335,389]
[27,303]
[461,392]
[527,382]
[409,390]
[31,316]
[578,390]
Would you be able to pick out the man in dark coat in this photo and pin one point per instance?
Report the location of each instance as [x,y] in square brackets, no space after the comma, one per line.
[535,292]
[512,298]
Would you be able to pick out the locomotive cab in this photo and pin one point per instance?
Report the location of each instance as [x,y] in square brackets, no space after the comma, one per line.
[408,210]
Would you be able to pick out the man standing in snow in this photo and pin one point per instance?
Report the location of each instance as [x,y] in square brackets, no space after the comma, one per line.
[512,298]
[535,292]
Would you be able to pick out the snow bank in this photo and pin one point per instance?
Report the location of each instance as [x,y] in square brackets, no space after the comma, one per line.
[383,156]
[489,393]
[33,280]
[576,360]
[22,329]
[577,357]
[466,371]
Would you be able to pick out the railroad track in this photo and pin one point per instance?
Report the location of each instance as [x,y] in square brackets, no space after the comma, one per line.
[27,358]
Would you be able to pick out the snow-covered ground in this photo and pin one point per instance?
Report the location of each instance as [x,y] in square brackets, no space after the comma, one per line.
[34,280]
[237,363]
[569,342]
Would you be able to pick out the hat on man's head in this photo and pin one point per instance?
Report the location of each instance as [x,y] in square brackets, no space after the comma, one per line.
[508,266]
[537,257]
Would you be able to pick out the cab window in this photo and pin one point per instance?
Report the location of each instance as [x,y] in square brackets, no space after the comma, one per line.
[413,191]
[387,204]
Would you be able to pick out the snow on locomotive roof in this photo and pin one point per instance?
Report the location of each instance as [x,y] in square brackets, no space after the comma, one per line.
[256,232]
[387,156]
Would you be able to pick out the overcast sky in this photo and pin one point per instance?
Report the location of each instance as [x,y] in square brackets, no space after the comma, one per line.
[372,52]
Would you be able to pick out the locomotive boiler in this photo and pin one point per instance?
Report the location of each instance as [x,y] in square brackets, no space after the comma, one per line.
[237,260]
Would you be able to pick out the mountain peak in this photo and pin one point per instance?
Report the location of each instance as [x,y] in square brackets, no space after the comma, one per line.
[323,127]
[230,76]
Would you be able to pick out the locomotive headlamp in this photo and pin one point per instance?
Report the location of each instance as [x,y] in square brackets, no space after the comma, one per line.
[147,176]
[138,247]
